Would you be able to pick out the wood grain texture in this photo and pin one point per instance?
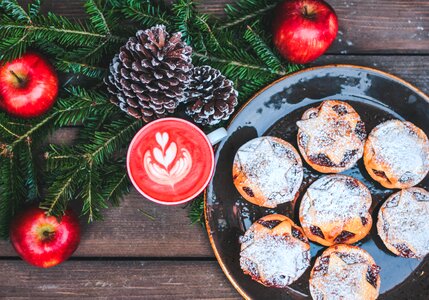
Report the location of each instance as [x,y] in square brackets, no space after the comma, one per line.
[366,26]
[127,232]
[115,280]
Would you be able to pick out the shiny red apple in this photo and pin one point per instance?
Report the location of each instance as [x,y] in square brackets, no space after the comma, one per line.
[304,29]
[28,86]
[43,241]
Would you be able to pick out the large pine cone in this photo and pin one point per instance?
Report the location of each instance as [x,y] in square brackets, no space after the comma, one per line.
[210,96]
[149,75]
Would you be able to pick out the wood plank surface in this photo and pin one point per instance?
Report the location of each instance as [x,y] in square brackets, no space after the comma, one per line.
[129,256]
[116,280]
[127,232]
[365,26]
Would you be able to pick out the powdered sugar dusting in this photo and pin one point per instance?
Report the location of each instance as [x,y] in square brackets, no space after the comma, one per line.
[334,198]
[403,219]
[344,278]
[275,260]
[404,154]
[274,167]
[334,131]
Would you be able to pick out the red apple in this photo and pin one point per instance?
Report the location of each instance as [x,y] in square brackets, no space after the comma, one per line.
[43,241]
[28,86]
[304,29]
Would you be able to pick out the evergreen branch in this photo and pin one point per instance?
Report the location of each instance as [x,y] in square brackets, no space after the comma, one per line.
[100,46]
[12,192]
[237,63]
[8,131]
[196,211]
[245,10]
[32,130]
[97,17]
[28,167]
[202,22]
[80,68]
[147,13]
[120,187]
[263,50]
[184,10]
[92,200]
[105,143]
[61,191]
[34,8]
[50,29]
[13,47]
[15,10]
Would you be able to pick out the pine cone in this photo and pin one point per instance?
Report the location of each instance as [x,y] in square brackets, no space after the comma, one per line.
[149,75]
[211,96]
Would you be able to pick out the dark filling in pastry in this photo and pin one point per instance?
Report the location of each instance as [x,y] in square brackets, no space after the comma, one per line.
[381,174]
[360,130]
[321,160]
[372,275]
[323,265]
[324,161]
[341,110]
[364,220]
[317,231]
[313,115]
[269,224]
[248,191]
[296,233]
[406,177]
[404,250]
[352,183]
[344,236]
[419,196]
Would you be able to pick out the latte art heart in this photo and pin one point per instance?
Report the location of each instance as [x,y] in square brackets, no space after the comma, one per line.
[166,164]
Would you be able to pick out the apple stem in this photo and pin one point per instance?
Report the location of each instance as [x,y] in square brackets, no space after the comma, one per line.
[20,80]
[48,235]
[307,14]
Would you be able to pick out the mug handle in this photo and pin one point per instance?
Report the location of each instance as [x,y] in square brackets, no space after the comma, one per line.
[217,135]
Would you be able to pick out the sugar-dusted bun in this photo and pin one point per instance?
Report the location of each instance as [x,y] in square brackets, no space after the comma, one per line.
[345,272]
[267,171]
[331,136]
[403,223]
[335,210]
[397,154]
[274,251]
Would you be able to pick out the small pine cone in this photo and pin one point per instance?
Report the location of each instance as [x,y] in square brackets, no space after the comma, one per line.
[211,97]
[149,76]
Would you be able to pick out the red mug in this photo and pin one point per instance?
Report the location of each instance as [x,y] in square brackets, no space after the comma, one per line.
[171,161]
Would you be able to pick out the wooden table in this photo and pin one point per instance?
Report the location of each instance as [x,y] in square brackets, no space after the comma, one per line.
[130,256]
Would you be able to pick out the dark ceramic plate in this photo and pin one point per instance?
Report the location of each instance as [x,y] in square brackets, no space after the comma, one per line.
[377,97]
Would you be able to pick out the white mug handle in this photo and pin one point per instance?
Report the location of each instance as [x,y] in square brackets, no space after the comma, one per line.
[217,135]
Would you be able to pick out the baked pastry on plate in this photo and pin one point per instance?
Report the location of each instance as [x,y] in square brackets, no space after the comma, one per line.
[267,171]
[345,272]
[403,223]
[397,154]
[331,136]
[274,251]
[335,210]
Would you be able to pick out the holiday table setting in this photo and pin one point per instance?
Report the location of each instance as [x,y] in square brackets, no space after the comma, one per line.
[96,196]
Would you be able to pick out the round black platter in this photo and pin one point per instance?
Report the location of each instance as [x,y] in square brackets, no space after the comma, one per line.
[376,96]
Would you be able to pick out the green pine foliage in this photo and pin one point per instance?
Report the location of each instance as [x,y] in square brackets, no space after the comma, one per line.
[93,170]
